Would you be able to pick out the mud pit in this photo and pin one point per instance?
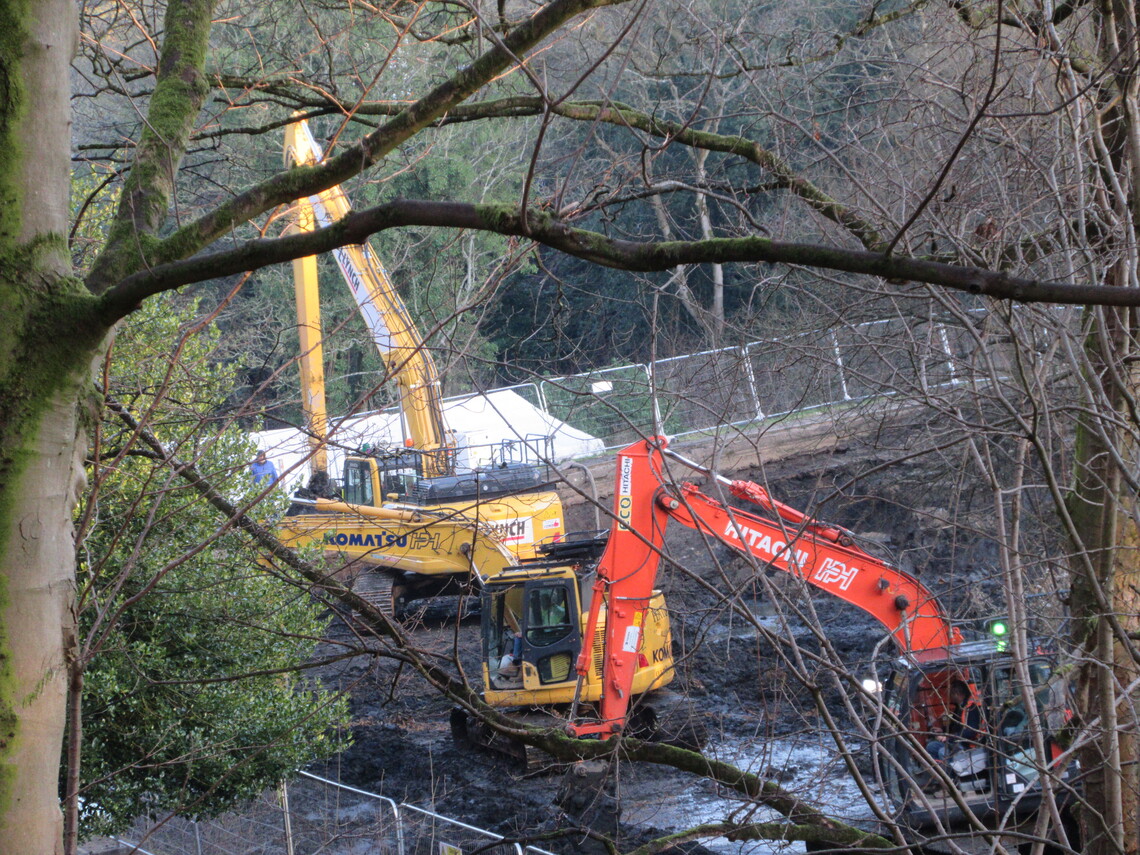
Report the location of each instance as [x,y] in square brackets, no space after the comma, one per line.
[758,713]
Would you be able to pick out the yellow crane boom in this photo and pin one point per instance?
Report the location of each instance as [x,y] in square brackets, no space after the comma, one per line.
[393,332]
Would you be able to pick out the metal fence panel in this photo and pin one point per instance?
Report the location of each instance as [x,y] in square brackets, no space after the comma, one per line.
[257,829]
[935,357]
[614,404]
[316,816]
[326,817]
[795,373]
[986,352]
[704,389]
[877,357]
[428,833]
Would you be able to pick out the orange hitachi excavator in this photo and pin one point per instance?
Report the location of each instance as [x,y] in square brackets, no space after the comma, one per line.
[1023,702]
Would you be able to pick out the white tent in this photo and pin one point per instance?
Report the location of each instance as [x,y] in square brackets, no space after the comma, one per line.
[480,421]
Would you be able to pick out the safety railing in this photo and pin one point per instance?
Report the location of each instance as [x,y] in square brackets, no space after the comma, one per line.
[762,379]
[311,815]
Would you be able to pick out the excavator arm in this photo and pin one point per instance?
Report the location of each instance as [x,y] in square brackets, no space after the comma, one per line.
[645,502]
[893,597]
[396,338]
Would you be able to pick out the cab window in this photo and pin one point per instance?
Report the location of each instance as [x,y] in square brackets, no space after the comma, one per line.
[1046,686]
[501,623]
[932,694]
[358,482]
[398,477]
[548,616]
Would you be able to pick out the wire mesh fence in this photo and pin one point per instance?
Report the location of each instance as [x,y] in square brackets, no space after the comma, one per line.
[614,404]
[737,385]
[312,815]
[716,387]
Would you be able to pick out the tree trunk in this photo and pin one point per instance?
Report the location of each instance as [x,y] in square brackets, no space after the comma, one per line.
[1106,575]
[48,336]
[1104,602]
[37,623]
[715,314]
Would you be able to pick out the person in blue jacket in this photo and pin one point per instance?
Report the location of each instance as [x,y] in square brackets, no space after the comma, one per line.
[262,469]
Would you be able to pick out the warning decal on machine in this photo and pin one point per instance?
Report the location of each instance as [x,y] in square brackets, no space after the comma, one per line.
[632,637]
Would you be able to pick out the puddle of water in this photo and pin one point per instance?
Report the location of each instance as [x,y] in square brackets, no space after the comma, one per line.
[806,765]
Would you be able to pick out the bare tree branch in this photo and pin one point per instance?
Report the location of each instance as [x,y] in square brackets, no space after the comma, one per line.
[546,228]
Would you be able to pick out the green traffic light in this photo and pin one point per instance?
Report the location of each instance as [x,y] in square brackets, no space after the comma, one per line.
[999,627]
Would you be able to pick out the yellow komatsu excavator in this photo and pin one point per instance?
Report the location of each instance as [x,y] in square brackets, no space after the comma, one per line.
[411,513]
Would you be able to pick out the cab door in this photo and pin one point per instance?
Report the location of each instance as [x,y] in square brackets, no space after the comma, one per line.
[1018,765]
[551,637]
[358,481]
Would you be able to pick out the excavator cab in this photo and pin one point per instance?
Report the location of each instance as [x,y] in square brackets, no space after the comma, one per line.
[533,631]
[358,484]
[372,480]
[531,638]
[997,770]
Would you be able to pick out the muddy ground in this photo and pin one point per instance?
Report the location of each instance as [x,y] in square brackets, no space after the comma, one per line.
[748,697]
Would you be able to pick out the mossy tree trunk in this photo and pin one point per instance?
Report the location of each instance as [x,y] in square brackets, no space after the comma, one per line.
[48,336]
[1105,598]
[53,326]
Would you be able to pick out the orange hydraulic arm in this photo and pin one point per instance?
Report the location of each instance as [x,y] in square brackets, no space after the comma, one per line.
[823,555]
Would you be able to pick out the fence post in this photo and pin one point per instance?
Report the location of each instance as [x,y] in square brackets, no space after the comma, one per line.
[949,353]
[287,821]
[751,375]
[651,379]
[839,365]
[541,386]
[399,827]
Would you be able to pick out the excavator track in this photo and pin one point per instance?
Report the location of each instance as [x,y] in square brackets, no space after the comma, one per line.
[669,718]
[375,586]
[527,760]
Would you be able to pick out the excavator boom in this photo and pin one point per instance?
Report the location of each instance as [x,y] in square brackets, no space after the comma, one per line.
[401,348]
[893,597]
[405,511]
[626,575]
[646,501]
